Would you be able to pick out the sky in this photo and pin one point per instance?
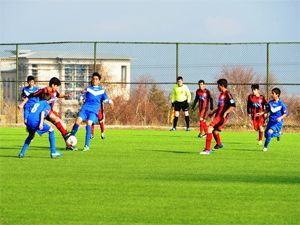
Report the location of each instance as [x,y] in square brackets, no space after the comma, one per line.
[23,21]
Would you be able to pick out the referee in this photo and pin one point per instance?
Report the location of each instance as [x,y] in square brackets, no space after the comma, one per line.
[181,97]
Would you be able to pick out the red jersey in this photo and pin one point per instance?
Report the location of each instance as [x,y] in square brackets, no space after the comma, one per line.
[41,94]
[204,99]
[256,104]
[225,101]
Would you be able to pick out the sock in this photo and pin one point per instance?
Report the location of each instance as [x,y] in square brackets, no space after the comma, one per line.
[101,126]
[61,128]
[52,142]
[268,137]
[208,141]
[93,129]
[217,138]
[187,121]
[201,127]
[26,144]
[260,135]
[88,135]
[175,121]
[75,129]
[205,127]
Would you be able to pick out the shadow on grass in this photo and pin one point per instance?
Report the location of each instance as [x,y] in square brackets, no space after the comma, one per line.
[169,151]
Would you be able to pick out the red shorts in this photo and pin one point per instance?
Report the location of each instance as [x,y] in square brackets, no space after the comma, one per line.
[258,121]
[219,122]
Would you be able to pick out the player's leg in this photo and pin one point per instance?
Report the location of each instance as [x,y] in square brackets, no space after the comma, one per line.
[260,134]
[218,140]
[185,108]
[208,140]
[54,117]
[102,128]
[175,121]
[93,131]
[27,142]
[81,117]
[268,135]
[91,118]
[101,121]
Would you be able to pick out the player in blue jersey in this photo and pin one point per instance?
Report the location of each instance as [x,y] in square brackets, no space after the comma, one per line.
[27,103]
[278,111]
[94,95]
[35,123]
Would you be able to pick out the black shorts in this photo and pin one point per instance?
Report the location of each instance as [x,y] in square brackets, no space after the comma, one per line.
[181,105]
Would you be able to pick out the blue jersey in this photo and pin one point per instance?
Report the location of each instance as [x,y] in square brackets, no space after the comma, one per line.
[94,96]
[26,91]
[33,118]
[276,109]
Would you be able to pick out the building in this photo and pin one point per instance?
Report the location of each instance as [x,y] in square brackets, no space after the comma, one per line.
[74,70]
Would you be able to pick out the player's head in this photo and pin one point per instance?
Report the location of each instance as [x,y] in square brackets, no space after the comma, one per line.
[255,89]
[222,84]
[54,83]
[276,93]
[96,77]
[201,84]
[179,81]
[30,81]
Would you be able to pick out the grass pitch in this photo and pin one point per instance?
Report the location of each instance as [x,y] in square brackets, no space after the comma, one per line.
[150,177]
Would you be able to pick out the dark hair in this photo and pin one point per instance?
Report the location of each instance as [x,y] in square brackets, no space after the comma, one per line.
[55,81]
[30,78]
[276,91]
[255,86]
[179,78]
[201,81]
[222,82]
[97,75]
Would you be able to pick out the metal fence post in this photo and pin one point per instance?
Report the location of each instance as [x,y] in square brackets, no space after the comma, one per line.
[177,60]
[95,56]
[17,80]
[268,70]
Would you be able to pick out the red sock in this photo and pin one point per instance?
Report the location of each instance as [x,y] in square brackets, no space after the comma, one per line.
[260,133]
[205,128]
[93,130]
[208,141]
[217,138]
[201,127]
[101,126]
[60,127]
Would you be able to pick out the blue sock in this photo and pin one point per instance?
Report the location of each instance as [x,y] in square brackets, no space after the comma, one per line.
[75,129]
[88,135]
[26,144]
[268,137]
[52,142]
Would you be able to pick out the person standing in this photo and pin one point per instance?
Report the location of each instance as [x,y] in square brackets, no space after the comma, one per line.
[205,101]
[256,106]
[226,104]
[181,97]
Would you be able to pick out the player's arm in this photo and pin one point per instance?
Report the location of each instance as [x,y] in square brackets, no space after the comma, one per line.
[63,95]
[249,104]
[284,112]
[195,101]
[42,116]
[231,103]
[21,105]
[211,101]
[188,94]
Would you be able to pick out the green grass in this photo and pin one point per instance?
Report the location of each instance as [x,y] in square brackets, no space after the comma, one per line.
[150,177]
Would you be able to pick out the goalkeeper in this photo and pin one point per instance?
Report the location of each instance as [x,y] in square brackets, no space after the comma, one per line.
[181,97]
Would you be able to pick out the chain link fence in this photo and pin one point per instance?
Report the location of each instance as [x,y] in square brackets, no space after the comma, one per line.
[139,76]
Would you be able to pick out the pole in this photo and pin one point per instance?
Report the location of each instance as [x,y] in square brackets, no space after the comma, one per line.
[95,56]
[268,70]
[177,60]
[17,80]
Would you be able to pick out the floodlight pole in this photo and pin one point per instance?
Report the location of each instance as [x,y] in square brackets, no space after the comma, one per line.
[17,80]
[95,55]
[268,70]
[177,60]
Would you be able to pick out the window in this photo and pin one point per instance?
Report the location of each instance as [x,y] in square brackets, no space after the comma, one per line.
[123,76]
[34,70]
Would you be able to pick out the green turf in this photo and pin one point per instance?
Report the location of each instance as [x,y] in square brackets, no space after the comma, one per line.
[150,177]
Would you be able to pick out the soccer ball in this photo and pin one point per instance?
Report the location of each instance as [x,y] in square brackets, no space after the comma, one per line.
[71,141]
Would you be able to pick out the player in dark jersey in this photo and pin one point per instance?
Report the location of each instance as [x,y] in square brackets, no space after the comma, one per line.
[225,105]
[204,99]
[35,123]
[53,116]
[256,105]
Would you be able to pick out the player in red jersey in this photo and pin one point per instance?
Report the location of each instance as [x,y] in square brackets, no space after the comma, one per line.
[101,122]
[53,116]
[256,106]
[204,99]
[225,105]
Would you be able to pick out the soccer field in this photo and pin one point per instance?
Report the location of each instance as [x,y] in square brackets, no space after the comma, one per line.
[150,177]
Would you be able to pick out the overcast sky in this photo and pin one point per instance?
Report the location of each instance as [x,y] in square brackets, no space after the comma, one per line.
[145,20]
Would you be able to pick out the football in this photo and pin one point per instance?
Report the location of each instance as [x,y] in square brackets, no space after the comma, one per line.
[71,141]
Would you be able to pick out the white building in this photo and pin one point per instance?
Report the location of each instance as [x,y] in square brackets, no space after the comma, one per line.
[74,70]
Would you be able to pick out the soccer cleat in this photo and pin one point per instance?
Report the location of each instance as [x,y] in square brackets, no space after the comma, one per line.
[102,136]
[265,149]
[71,148]
[86,148]
[260,143]
[218,147]
[173,129]
[67,136]
[21,155]
[188,129]
[55,155]
[203,136]
[205,152]
[278,138]
[92,136]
